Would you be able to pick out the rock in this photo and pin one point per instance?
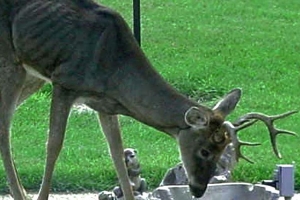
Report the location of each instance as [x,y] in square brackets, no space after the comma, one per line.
[227,161]
[175,176]
[106,195]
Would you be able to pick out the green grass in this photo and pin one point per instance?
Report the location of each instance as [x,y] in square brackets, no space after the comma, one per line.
[204,48]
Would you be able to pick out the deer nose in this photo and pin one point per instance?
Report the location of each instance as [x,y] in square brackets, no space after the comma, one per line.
[197,191]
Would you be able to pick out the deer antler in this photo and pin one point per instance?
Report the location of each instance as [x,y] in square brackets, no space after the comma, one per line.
[269,122]
[237,144]
[248,120]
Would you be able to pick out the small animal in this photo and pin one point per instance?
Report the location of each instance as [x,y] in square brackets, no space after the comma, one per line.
[138,184]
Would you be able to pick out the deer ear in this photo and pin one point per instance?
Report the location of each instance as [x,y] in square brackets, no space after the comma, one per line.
[195,118]
[228,103]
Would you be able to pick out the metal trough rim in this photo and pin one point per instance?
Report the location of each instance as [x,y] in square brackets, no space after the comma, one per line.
[224,191]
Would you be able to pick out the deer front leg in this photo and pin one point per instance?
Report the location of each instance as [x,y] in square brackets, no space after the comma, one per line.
[111,129]
[62,100]
[11,81]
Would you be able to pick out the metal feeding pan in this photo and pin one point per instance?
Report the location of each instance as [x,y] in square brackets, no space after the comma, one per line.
[222,191]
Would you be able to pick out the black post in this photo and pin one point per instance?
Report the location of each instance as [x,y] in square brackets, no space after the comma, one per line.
[137,20]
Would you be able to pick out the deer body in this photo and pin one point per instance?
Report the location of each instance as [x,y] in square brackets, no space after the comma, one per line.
[65,51]
[88,52]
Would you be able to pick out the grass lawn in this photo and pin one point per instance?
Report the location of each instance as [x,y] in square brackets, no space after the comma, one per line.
[204,48]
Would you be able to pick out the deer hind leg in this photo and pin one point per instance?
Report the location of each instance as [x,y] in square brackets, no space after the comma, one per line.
[111,129]
[62,101]
[12,78]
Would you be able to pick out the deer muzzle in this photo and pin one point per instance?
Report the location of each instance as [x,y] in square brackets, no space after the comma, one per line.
[197,190]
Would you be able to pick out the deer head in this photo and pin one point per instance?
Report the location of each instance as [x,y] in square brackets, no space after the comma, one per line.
[203,142]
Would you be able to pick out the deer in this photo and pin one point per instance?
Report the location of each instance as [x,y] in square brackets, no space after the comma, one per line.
[88,53]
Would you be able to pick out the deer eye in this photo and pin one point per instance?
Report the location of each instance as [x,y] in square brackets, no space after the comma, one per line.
[205,154]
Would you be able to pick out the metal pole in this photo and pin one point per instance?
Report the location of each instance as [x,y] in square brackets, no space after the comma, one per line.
[137,20]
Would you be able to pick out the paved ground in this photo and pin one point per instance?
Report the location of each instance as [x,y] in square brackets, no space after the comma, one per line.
[86,196]
[296,197]
[93,196]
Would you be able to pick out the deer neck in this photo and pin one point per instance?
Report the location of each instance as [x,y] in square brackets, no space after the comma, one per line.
[133,87]
[147,97]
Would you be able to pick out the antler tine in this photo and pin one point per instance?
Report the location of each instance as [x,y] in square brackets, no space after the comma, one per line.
[241,124]
[238,151]
[237,144]
[269,122]
[284,114]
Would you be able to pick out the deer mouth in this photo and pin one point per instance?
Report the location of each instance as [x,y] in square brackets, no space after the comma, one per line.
[197,191]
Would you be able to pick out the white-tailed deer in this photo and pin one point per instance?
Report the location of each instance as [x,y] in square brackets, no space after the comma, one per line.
[88,53]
